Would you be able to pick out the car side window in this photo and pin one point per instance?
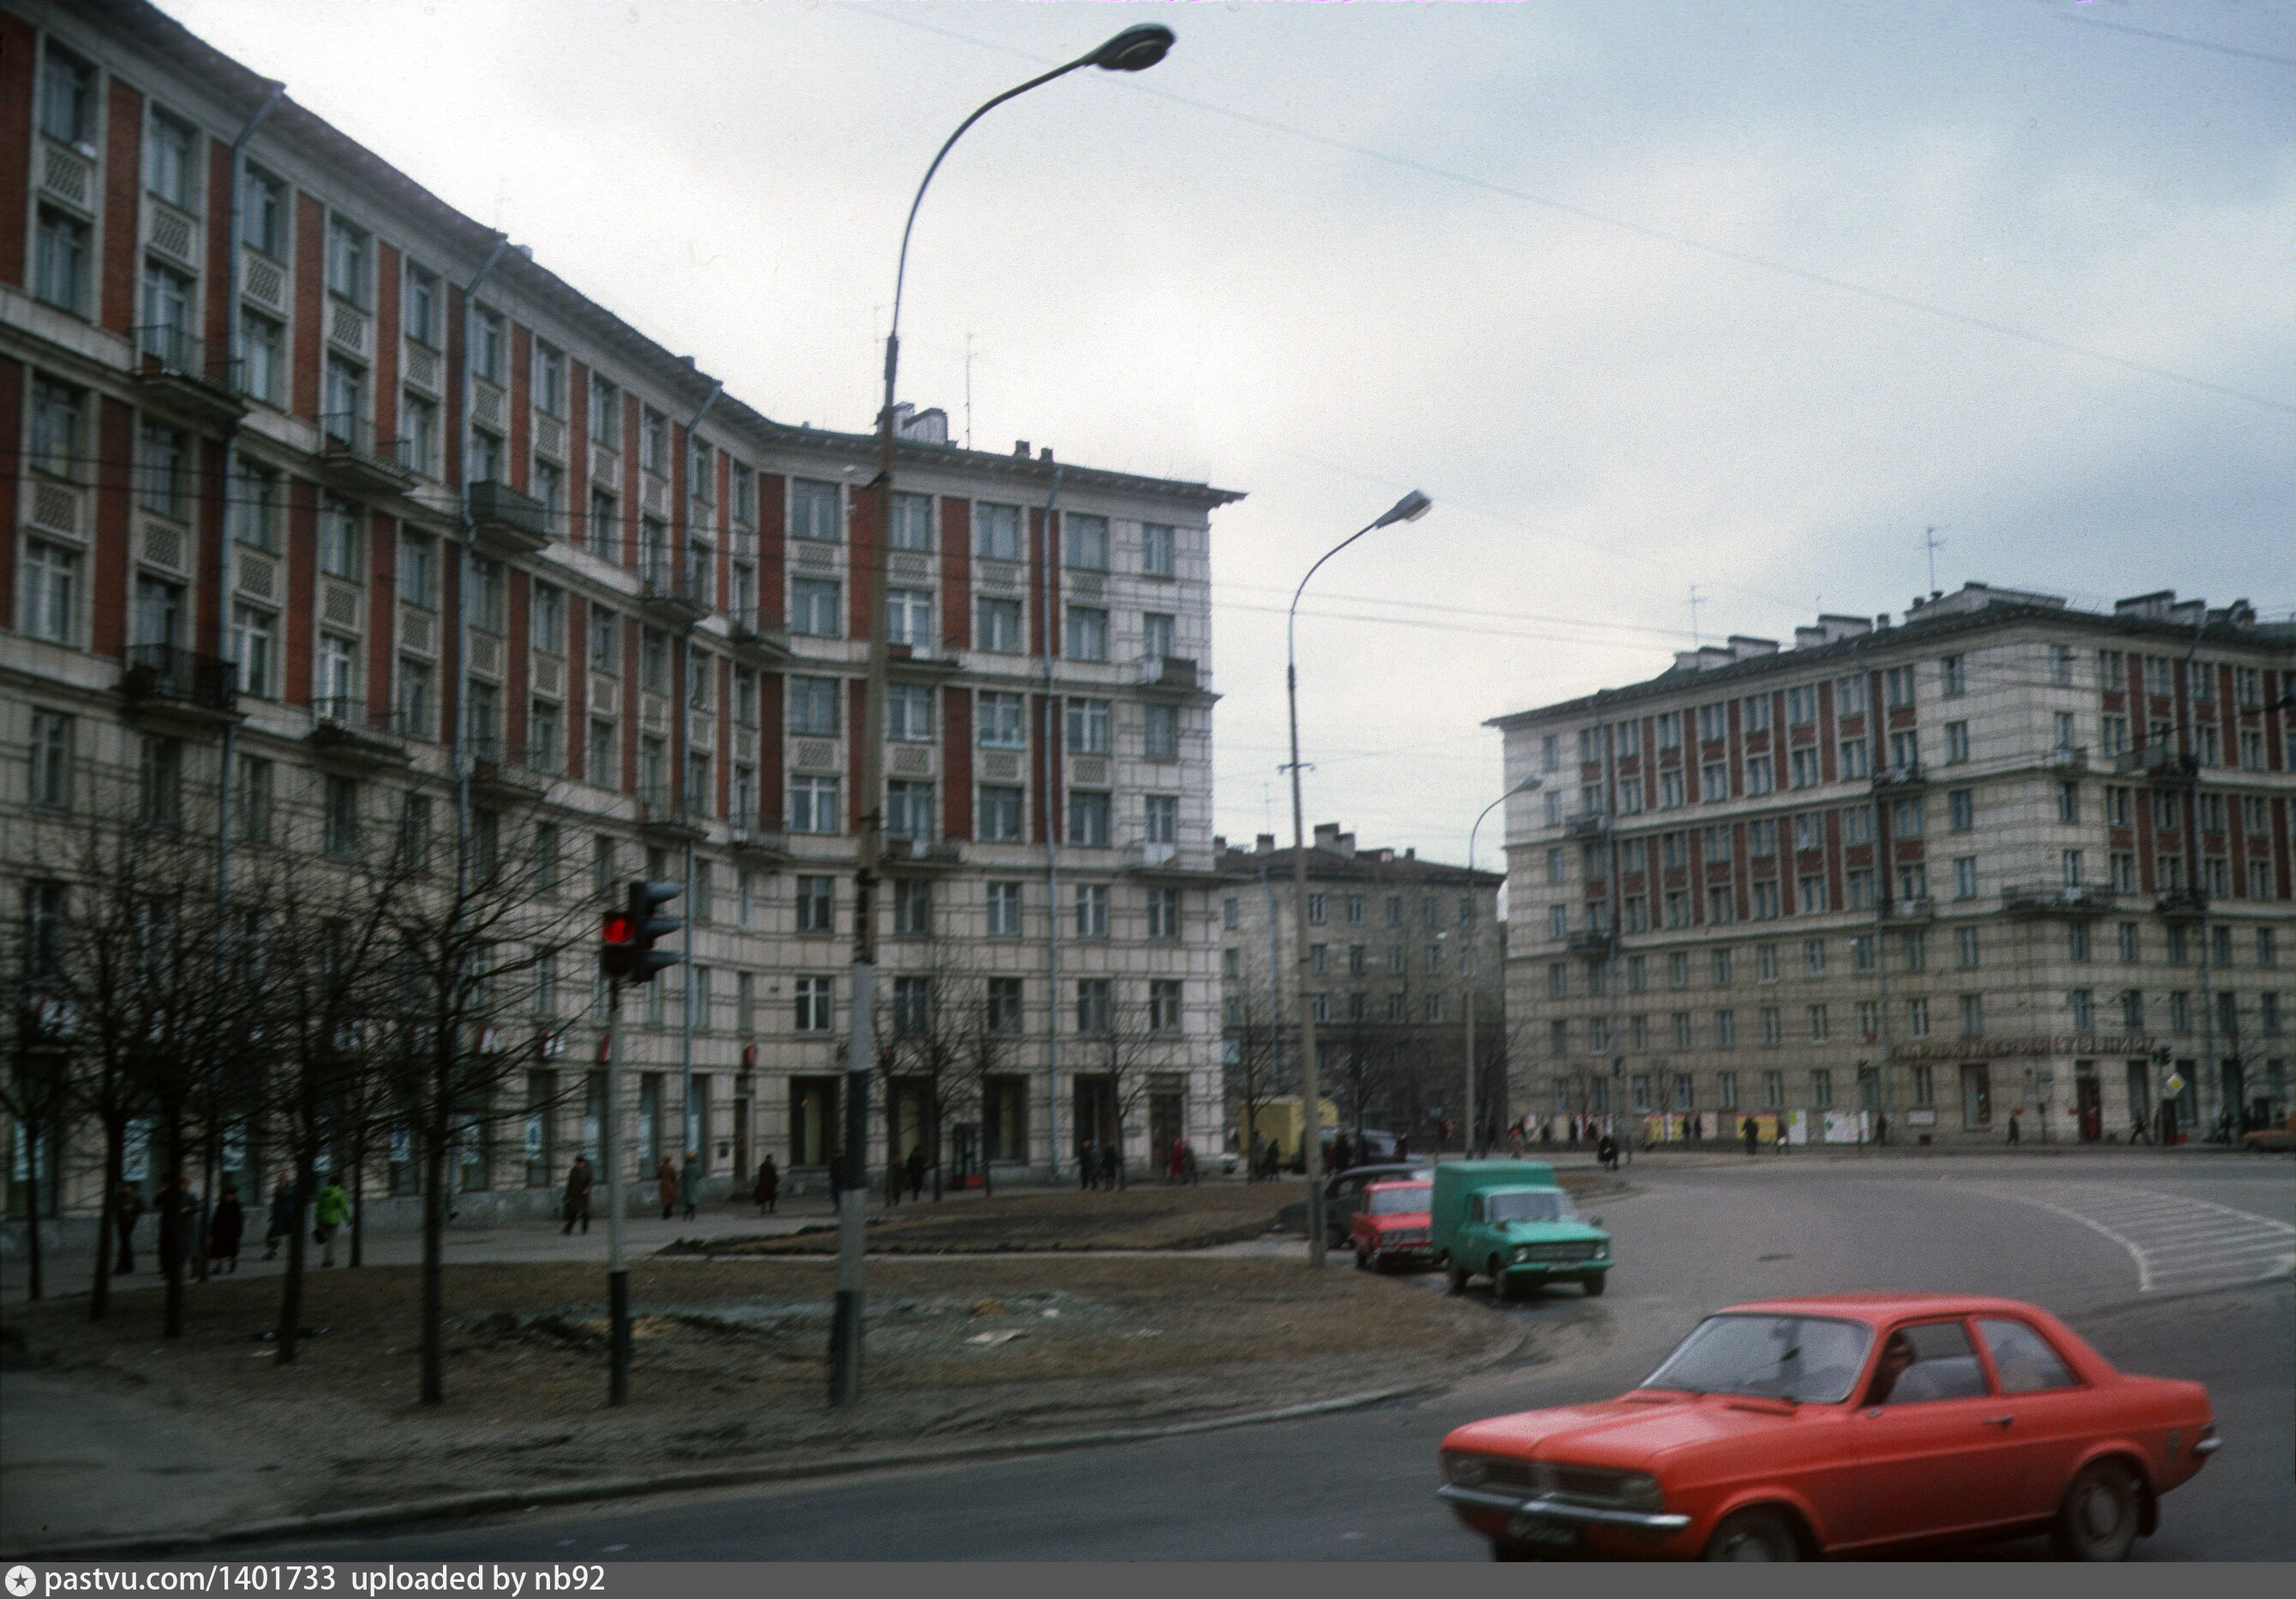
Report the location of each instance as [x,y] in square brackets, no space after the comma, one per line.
[1925,1362]
[2022,1358]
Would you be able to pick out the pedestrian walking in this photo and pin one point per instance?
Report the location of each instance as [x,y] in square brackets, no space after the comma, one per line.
[1257,1168]
[225,1228]
[1176,1166]
[689,1184]
[579,1180]
[1271,1159]
[2140,1131]
[1342,1154]
[281,1222]
[1189,1171]
[1088,1165]
[1779,1144]
[1753,1136]
[665,1187]
[1606,1153]
[916,1171]
[127,1210]
[1111,1166]
[836,1175]
[327,1215]
[769,1186]
[2013,1126]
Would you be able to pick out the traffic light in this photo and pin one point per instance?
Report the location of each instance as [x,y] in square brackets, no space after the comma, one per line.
[627,939]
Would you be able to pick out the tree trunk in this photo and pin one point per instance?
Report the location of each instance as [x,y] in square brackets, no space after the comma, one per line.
[434,1276]
[291,1293]
[32,1234]
[115,1154]
[171,1211]
[358,1201]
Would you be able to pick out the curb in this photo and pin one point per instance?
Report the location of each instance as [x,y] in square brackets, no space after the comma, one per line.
[490,1501]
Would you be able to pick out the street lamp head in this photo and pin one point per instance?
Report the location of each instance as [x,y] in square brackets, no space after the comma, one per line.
[1134,49]
[1533,781]
[1409,509]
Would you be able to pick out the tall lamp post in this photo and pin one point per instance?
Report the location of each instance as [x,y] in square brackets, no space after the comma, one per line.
[1467,966]
[1134,50]
[1409,509]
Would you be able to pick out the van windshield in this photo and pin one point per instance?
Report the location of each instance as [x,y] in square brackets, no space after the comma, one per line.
[1808,1358]
[1529,1204]
[1400,1201]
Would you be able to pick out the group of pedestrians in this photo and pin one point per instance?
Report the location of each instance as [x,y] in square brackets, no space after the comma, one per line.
[676,1186]
[1100,1165]
[183,1241]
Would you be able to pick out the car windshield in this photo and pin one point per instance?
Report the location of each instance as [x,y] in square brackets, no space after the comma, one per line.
[1809,1359]
[1399,1202]
[1531,1204]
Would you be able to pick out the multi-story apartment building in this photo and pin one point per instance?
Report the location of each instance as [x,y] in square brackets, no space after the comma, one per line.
[1396,947]
[308,472]
[2006,855]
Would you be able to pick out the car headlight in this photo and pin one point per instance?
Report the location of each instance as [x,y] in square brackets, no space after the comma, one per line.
[1522,1252]
[1467,1471]
[1638,1490]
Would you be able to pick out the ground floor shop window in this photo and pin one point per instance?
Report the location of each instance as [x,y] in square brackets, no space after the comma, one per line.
[813,1120]
[1005,1118]
[1976,1096]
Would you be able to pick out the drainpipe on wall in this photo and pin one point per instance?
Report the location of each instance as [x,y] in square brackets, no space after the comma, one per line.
[1052,847]
[2211,1083]
[463,552]
[684,697]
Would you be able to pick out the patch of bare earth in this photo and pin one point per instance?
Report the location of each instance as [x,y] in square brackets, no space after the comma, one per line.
[729,1367]
[1150,1216]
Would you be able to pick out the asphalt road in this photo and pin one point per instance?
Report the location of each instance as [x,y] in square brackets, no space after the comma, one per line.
[2157,1261]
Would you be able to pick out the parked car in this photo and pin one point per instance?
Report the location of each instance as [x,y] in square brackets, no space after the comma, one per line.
[1343,1194]
[1390,1227]
[2266,1140]
[1508,1220]
[1795,1429]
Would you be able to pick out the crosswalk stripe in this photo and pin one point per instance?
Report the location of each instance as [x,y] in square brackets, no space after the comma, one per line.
[2174,1240]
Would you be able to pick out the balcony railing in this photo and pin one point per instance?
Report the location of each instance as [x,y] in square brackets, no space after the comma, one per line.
[2158,762]
[176,359]
[1587,824]
[1915,908]
[2057,899]
[168,673]
[509,521]
[1906,775]
[1168,672]
[349,446]
[348,729]
[2180,902]
[1590,941]
[2069,758]
[671,595]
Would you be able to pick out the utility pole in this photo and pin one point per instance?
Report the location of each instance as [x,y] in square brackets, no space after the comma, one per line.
[618,1270]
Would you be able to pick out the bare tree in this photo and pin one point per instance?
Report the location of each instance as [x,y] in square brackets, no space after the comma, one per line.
[1132,1053]
[1254,1079]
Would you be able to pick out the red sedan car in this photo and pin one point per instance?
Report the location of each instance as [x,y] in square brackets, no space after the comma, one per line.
[1849,1424]
[1391,1226]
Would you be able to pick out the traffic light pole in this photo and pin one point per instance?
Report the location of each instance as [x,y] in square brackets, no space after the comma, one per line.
[618,1270]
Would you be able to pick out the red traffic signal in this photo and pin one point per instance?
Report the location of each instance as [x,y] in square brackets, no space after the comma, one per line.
[617,945]
[626,937]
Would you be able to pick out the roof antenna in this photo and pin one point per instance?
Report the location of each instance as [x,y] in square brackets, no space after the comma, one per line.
[1932,544]
[1695,603]
[968,391]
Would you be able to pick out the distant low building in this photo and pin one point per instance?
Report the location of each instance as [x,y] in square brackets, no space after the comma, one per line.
[1395,946]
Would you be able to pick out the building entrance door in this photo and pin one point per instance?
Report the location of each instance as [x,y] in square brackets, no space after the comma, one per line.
[1168,1121]
[812,1120]
[2231,1079]
[1977,1097]
[1095,1109]
[2088,1104]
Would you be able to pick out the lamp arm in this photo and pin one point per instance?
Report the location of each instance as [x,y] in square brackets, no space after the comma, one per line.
[1292,616]
[901,271]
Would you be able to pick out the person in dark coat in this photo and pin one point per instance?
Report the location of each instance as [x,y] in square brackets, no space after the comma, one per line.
[127,1210]
[1088,1165]
[225,1228]
[769,1186]
[915,1167]
[579,1181]
[281,1222]
[1753,1135]
[665,1187]
[836,1175]
[1111,1167]
[2013,1126]
[1606,1152]
[689,1184]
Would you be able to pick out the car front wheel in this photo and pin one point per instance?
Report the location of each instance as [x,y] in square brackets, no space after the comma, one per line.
[1754,1534]
[2098,1518]
[1363,1258]
[1595,1282]
[1456,1273]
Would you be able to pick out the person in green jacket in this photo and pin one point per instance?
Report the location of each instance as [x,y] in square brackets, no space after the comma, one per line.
[327,1216]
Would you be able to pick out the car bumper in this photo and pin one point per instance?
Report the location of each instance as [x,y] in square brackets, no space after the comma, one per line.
[1557,1269]
[1536,1518]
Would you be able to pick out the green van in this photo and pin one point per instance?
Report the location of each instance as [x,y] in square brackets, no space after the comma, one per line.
[1508,1220]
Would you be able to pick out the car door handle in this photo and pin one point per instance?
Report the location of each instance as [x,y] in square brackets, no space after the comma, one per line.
[1999,1421]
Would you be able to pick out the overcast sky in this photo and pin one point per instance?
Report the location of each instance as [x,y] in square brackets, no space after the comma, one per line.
[1645,294]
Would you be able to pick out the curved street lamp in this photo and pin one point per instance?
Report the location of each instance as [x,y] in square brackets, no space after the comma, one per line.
[1409,509]
[1467,972]
[1133,50]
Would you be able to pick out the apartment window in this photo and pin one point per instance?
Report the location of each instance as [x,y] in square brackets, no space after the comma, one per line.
[1164,914]
[653,442]
[1088,727]
[909,810]
[339,817]
[60,261]
[1088,632]
[50,788]
[813,606]
[1972,1016]
[1161,817]
[254,641]
[2267,952]
[1854,765]
[605,413]
[1156,634]
[996,626]
[1160,732]
[812,707]
[998,720]
[1714,782]
[813,510]
[51,585]
[996,531]
[908,617]
[913,907]
[1964,878]
[813,805]
[1898,687]
[1156,549]
[1670,796]
[1773,1028]
[816,904]
[1000,815]
[1086,545]
[1819,1025]
[347,261]
[1094,1005]
[909,713]
[1821,1090]
[1088,818]
[1956,743]
[816,1003]
[1726,1030]
[1004,910]
[1759,778]
[1953,676]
